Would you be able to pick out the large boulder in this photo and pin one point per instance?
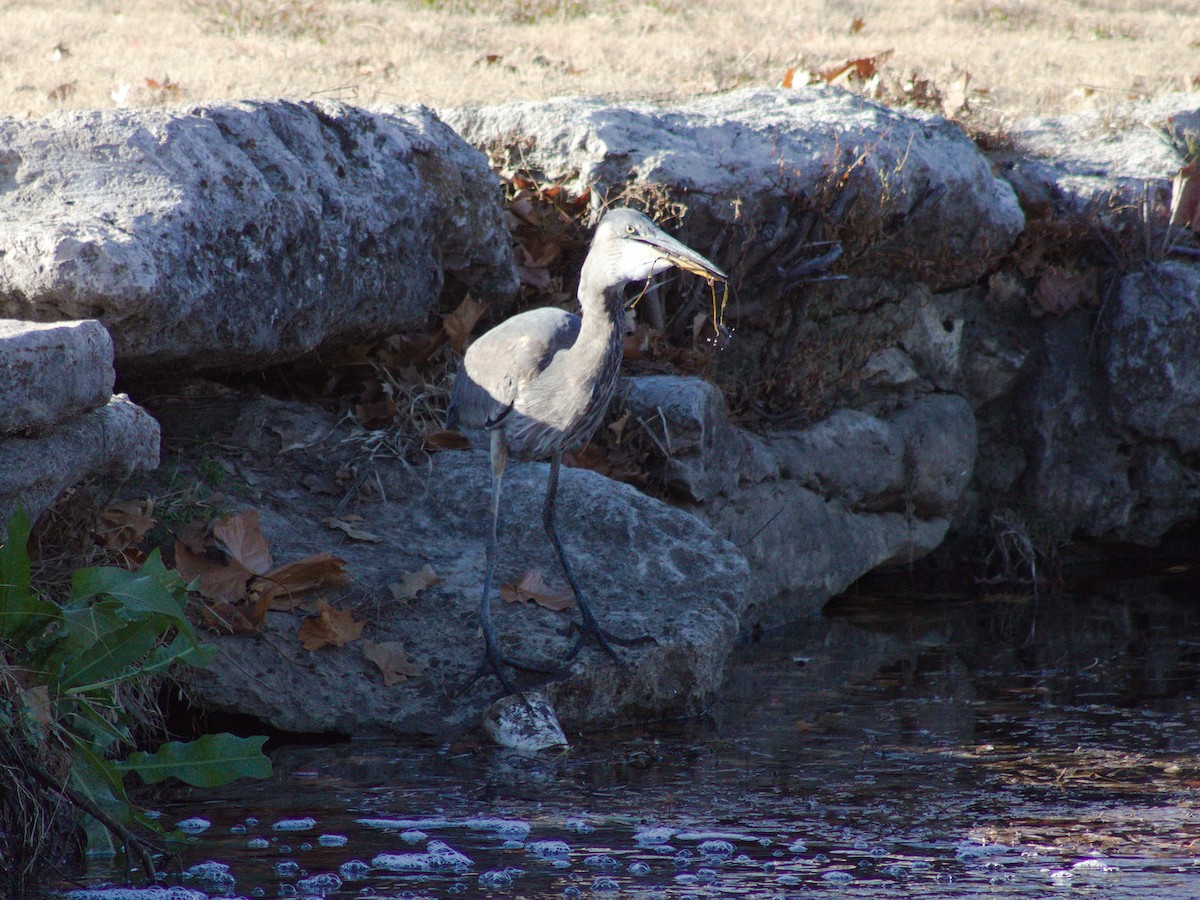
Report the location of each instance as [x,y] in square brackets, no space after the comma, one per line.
[118,439]
[1108,161]
[52,371]
[59,420]
[906,192]
[1107,412]
[813,508]
[649,569]
[235,235]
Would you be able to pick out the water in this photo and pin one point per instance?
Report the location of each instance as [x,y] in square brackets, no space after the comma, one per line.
[918,745]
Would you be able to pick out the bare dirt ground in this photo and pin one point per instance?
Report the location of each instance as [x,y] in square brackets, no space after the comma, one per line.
[1023,56]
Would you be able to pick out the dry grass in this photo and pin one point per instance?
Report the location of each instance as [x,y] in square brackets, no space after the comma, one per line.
[1027,56]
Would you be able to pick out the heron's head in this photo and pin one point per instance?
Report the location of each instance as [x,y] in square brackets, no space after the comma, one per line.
[633,248]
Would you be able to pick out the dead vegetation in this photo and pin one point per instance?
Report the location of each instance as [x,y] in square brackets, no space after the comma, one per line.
[993,58]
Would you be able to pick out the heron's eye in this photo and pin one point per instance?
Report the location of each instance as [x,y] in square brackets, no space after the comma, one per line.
[631,229]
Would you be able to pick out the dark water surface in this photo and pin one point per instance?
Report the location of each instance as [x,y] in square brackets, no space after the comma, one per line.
[903,745]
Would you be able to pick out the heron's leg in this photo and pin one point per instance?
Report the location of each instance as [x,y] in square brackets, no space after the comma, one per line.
[590,627]
[494,660]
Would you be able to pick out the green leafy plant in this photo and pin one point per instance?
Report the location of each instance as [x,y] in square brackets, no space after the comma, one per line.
[68,667]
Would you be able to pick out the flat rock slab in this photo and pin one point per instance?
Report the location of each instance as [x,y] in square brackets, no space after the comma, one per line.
[907,192]
[1128,150]
[813,509]
[240,234]
[118,438]
[51,372]
[651,570]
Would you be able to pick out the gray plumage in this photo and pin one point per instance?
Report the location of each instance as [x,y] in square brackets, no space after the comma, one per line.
[541,382]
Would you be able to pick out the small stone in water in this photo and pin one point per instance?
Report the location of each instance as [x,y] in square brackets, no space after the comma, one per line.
[319,884]
[579,826]
[639,868]
[838,876]
[495,879]
[258,843]
[716,848]
[601,861]
[549,849]
[353,869]
[797,846]
[287,868]
[706,876]
[333,840]
[212,873]
[605,884]
[238,829]
[412,836]
[194,825]
[658,834]
[303,824]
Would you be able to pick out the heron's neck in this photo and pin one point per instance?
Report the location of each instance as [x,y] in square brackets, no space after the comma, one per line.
[602,332]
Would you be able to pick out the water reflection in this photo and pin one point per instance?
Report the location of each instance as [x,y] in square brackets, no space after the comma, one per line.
[908,742]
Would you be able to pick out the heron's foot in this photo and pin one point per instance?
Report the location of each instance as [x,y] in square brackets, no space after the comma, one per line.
[605,640]
[494,662]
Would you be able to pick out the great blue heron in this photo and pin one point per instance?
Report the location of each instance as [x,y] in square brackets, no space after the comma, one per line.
[541,382]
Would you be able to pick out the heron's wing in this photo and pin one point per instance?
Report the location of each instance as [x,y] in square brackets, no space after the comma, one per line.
[500,363]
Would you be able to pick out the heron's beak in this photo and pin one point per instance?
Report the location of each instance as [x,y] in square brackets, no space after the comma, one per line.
[683,256]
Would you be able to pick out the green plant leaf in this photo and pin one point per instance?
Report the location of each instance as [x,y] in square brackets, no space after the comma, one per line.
[109,658]
[151,591]
[209,761]
[20,607]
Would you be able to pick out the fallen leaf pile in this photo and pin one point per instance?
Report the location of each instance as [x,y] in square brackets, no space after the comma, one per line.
[230,565]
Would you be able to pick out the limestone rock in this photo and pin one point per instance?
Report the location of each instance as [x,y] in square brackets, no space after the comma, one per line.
[1098,156]
[234,235]
[754,168]
[649,569]
[705,454]
[52,372]
[816,508]
[1151,364]
[118,438]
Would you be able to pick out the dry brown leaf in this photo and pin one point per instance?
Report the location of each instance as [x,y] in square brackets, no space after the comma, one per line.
[376,413]
[446,440]
[458,324]
[214,580]
[330,626]
[225,618]
[194,536]
[1185,197]
[533,587]
[1060,289]
[412,583]
[393,662]
[283,588]
[351,530]
[244,541]
[861,68]
[125,524]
